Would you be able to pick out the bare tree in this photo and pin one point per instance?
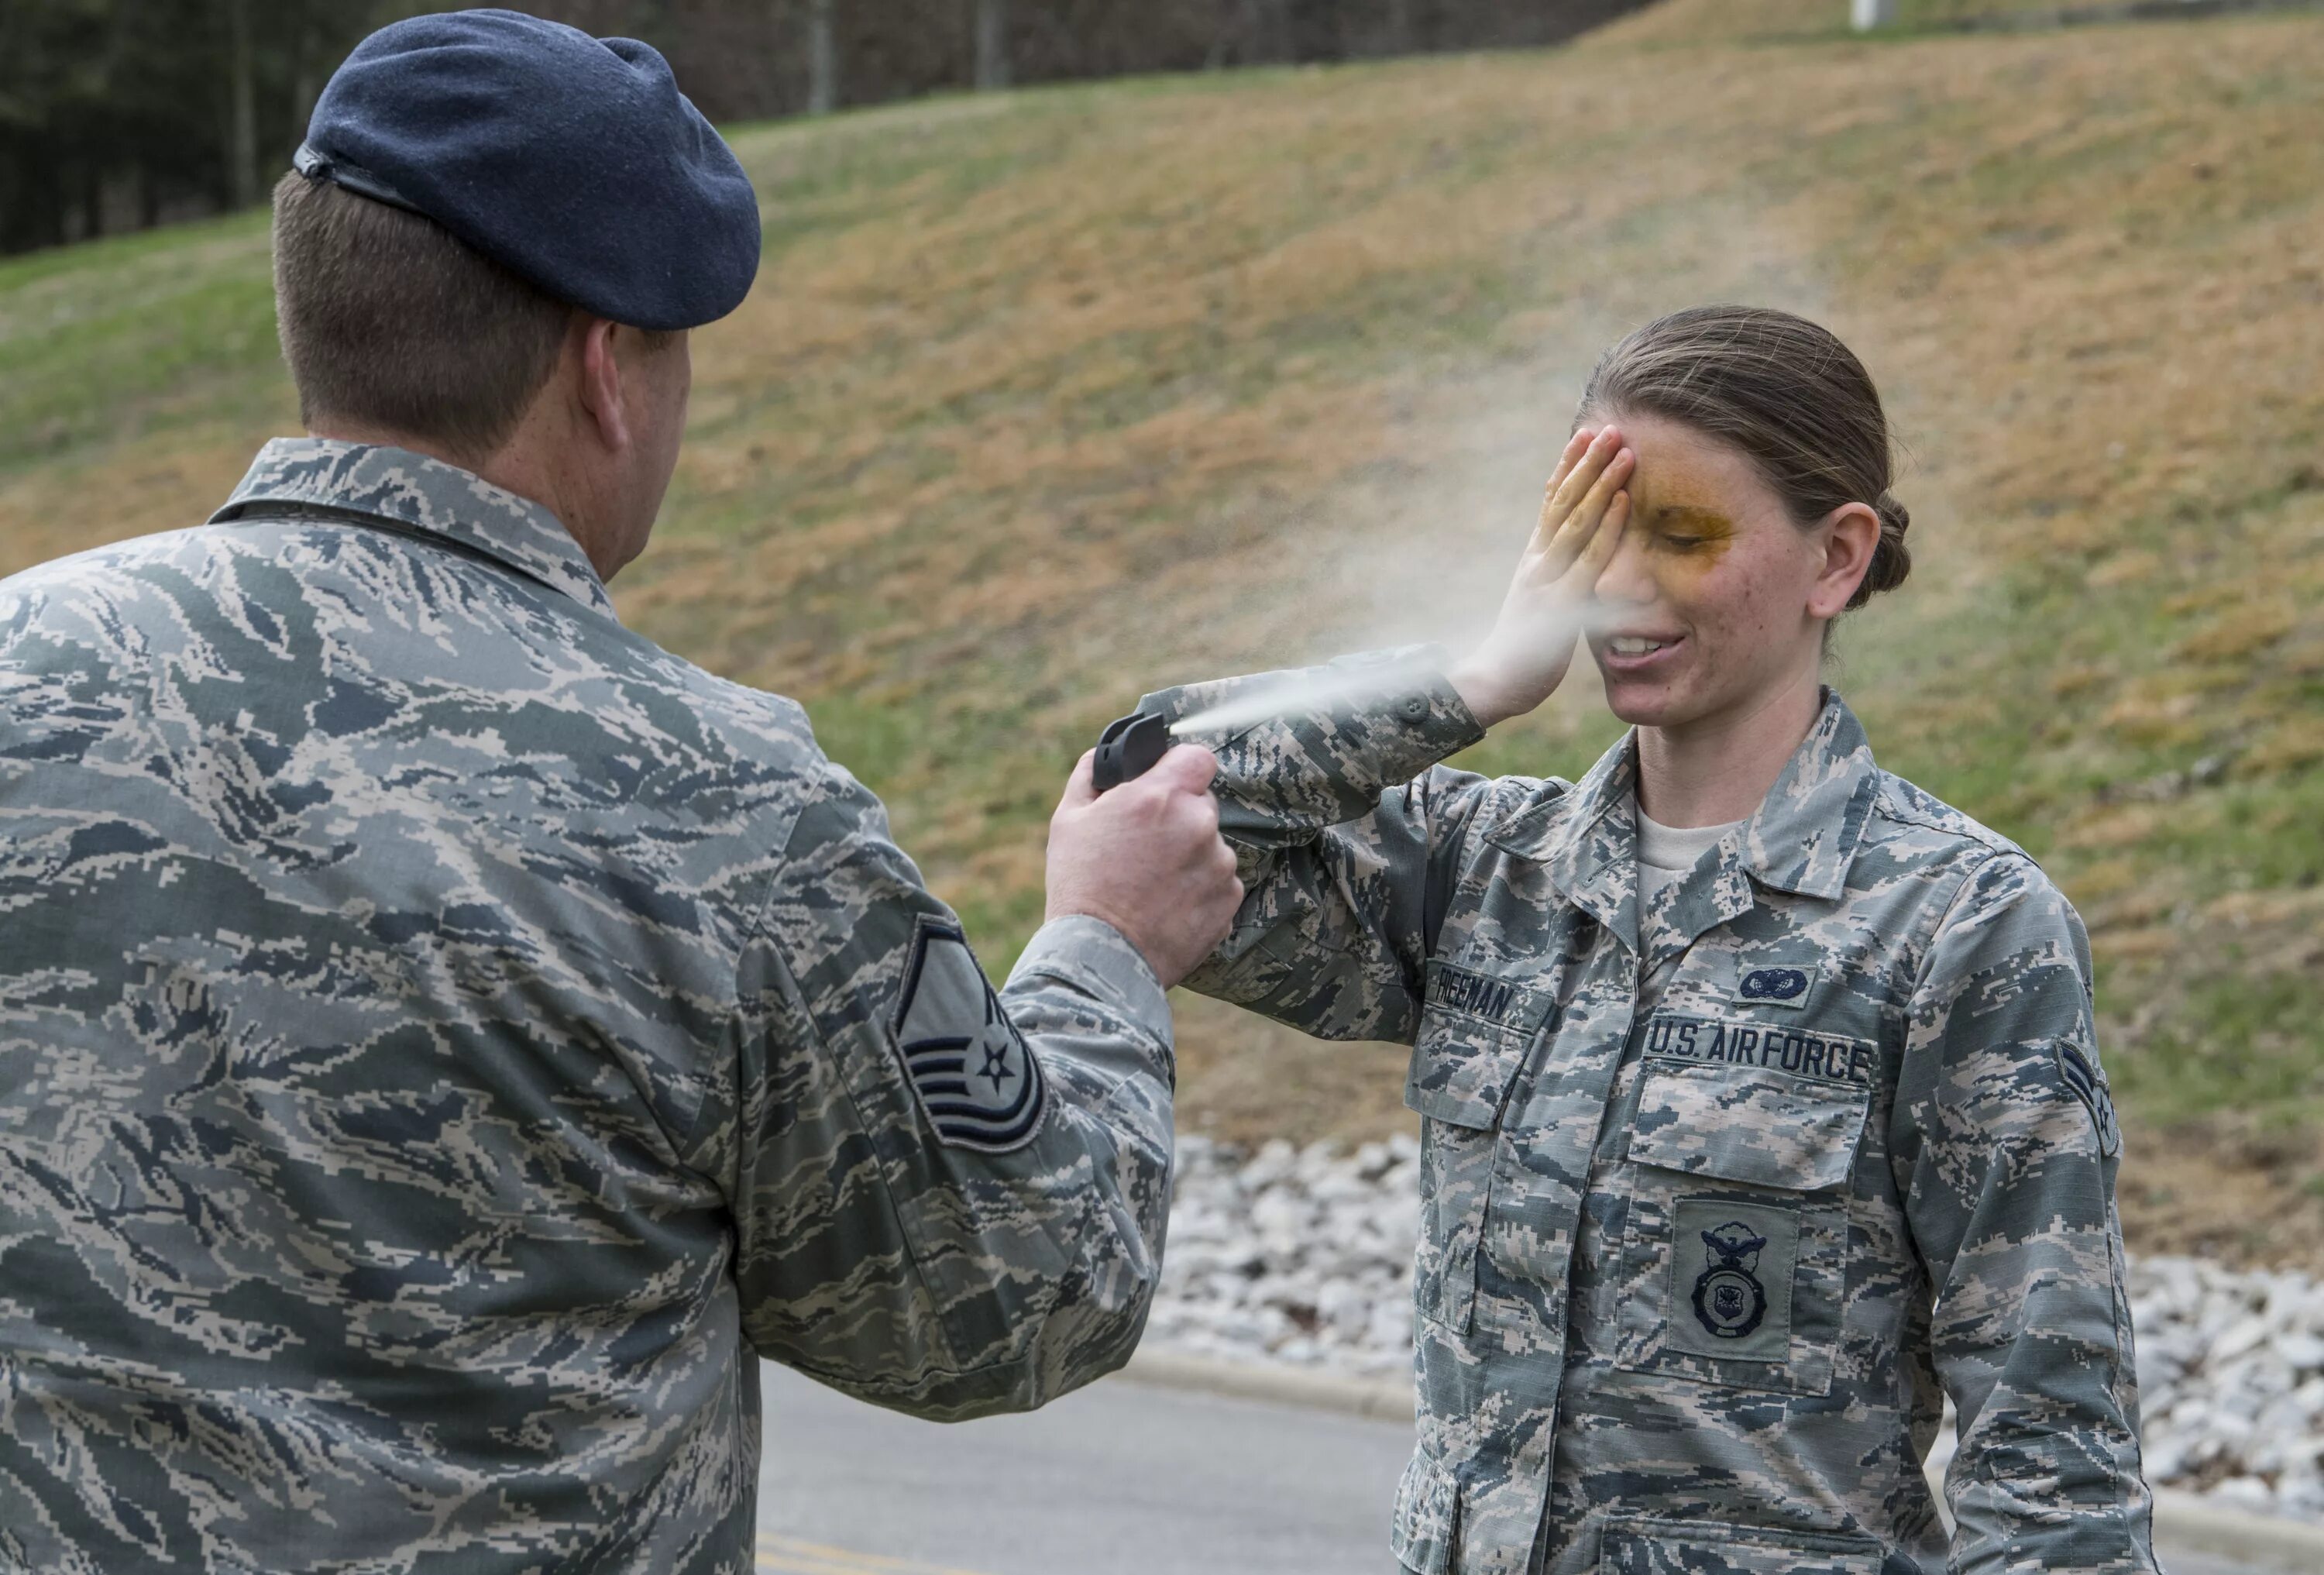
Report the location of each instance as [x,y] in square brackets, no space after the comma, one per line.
[117,112]
[241,87]
[307,61]
[1246,34]
[991,45]
[821,60]
[1270,31]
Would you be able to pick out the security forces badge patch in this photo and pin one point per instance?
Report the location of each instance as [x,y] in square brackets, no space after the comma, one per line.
[974,1074]
[1731,1278]
[1728,1298]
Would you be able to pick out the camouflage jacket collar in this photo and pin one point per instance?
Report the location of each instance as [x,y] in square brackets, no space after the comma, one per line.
[1804,836]
[415,495]
[1800,839]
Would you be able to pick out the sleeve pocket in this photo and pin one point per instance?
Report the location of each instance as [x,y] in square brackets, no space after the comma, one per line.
[1755,1126]
[1460,1080]
[1421,1533]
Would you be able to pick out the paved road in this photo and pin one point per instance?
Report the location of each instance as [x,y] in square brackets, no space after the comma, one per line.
[1122,1479]
[1119,1478]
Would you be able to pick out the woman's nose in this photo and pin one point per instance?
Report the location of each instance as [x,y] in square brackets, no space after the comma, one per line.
[1626,576]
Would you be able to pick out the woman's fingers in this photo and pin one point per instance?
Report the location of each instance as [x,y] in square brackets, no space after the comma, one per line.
[1599,552]
[1611,477]
[1585,470]
[1575,447]
[1563,528]
[1586,524]
[1588,533]
[1545,528]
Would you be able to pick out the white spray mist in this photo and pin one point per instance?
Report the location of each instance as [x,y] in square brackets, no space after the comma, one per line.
[1315,687]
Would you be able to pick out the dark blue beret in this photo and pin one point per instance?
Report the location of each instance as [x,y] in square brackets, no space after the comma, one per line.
[573,162]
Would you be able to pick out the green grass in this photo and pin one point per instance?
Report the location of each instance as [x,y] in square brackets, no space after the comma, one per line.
[126,336]
[1046,400]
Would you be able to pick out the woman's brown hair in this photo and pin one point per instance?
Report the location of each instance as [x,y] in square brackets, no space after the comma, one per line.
[1783,391]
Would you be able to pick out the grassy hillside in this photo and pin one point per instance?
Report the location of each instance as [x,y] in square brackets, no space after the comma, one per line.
[1043,401]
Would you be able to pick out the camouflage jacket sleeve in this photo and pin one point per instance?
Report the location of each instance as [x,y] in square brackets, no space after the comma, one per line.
[2007,1147]
[948,1199]
[1347,832]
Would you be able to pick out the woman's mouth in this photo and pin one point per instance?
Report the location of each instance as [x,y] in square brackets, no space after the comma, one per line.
[1631,653]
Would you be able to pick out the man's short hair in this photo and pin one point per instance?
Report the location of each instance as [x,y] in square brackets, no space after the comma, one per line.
[389,323]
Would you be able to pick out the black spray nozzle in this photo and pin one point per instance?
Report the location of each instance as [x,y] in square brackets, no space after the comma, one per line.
[1129,747]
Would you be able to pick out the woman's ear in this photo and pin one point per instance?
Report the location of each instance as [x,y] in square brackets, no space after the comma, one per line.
[1850,534]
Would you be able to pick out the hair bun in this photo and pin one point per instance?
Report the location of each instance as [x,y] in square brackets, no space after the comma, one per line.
[1892,560]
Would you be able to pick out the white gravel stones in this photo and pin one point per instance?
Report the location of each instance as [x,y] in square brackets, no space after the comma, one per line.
[2231,1382]
[1304,1255]
[1291,1254]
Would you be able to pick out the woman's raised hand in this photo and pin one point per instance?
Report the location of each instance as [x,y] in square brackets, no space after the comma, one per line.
[1522,661]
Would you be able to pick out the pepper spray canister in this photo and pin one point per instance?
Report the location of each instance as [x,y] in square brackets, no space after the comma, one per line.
[1129,748]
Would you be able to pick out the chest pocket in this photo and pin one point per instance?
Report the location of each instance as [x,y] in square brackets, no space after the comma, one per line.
[1735,1256]
[1473,1037]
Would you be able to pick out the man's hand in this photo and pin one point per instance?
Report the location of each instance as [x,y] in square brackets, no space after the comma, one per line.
[1148,859]
[1583,511]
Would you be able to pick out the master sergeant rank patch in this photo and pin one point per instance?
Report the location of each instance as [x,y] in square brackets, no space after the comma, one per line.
[974,1072]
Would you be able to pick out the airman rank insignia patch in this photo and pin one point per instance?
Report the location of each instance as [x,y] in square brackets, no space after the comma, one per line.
[973,1072]
[2083,1078]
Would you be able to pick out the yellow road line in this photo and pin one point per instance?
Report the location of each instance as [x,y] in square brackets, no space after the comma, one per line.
[789,1556]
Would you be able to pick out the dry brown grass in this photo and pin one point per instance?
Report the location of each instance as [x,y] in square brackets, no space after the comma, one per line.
[1044,401]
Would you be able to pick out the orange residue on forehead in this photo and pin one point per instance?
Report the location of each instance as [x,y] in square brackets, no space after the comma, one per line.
[1684,540]
[1680,525]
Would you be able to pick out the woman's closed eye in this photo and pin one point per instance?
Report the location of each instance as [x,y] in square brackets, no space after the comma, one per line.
[1687,530]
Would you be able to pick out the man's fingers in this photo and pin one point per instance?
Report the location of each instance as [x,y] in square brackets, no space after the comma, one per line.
[1080,787]
[1187,767]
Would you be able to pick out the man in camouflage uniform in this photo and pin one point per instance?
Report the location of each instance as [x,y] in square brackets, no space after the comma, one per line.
[1722,1193]
[445,1038]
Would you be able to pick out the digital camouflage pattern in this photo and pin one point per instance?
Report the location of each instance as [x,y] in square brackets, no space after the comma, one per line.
[443,1036]
[1722,1198]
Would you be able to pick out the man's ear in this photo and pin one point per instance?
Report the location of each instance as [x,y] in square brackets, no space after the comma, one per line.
[601,384]
[1849,533]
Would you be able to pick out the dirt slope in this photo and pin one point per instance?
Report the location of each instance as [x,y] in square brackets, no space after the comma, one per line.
[1043,401]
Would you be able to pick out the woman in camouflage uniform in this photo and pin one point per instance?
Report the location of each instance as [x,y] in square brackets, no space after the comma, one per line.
[1761,1106]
